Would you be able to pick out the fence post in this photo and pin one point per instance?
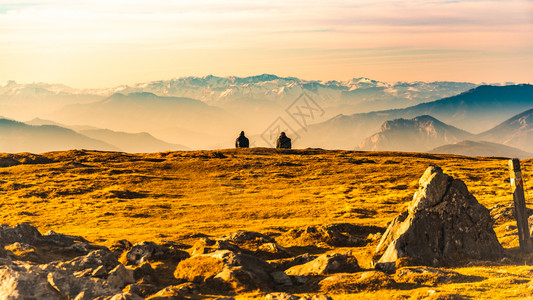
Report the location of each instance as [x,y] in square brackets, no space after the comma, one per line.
[517,185]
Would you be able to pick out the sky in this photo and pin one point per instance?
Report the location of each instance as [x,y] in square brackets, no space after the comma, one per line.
[96,44]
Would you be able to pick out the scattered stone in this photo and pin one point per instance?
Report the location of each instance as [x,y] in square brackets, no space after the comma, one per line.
[316,297]
[284,264]
[93,260]
[337,235]
[144,251]
[349,283]
[21,233]
[120,246]
[272,251]
[248,237]
[281,296]
[17,283]
[281,278]
[146,273]
[143,290]
[327,264]
[503,213]
[444,224]
[98,272]
[62,239]
[119,277]
[168,293]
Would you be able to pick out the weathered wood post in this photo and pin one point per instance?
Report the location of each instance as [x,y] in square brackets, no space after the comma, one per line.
[517,184]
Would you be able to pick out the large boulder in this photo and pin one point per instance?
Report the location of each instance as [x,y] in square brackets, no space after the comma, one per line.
[443,224]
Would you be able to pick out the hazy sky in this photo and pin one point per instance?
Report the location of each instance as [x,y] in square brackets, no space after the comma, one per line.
[106,43]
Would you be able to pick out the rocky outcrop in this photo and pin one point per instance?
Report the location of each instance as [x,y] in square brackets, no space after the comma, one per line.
[444,224]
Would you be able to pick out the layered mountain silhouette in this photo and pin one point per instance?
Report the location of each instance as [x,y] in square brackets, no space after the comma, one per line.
[123,141]
[476,110]
[415,135]
[147,112]
[481,148]
[20,137]
[132,142]
[516,131]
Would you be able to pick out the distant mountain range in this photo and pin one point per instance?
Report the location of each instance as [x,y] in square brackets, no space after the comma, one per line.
[209,112]
[423,133]
[415,135]
[476,110]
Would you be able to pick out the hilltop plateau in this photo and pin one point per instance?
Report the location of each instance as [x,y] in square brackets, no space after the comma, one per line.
[279,208]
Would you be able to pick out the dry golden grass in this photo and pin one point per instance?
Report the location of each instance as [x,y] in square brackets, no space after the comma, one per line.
[180,196]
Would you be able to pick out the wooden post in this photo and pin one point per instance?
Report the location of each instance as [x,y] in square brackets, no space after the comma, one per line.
[517,184]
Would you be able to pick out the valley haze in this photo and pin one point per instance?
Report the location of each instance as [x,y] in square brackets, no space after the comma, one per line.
[208,112]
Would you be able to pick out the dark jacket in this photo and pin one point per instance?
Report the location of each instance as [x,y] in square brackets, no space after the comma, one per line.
[283,142]
[242,142]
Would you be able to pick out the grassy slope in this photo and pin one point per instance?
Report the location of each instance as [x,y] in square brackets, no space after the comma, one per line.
[176,195]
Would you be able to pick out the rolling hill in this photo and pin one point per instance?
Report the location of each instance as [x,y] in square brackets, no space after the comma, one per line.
[20,137]
[481,148]
[414,135]
[476,110]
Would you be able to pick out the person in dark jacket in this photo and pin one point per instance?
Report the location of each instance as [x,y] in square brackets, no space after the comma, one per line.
[242,141]
[283,142]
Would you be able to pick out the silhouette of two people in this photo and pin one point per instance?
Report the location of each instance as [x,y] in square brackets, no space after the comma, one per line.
[242,141]
[283,142]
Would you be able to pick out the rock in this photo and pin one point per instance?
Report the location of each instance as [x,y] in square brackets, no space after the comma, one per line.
[326,264]
[143,290]
[24,252]
[21,233]
[226,269]
[98,272]
[272,251]
[120,246]
[17,283]
[504,213]
[82,288]
[281,278]
[280,296]
[202,246]
[336,235]
[349,283]
[169,293]
[284,264]
[243,237]
[316,297]
[238,280]
[93,260]
[125,296]
[62,239]
[427,276]
[444,224]
[146,273]
[141,252]
[119,277]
